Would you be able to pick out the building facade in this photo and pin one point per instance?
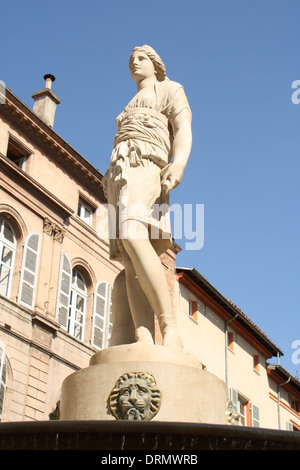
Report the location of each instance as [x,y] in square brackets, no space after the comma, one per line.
[56,284]
[56,276]
[231,346]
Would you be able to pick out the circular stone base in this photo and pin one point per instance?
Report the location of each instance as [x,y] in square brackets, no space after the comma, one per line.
[188,393]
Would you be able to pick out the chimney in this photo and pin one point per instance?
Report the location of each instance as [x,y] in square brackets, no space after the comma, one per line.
[45,101]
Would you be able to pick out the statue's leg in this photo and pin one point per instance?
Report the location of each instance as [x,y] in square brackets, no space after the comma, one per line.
[152,280]
[141,311]
[123,330]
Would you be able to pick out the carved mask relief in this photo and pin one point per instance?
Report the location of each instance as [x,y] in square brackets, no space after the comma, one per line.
[135,397]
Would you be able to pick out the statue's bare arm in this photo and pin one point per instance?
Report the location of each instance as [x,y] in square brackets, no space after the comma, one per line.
[182,145]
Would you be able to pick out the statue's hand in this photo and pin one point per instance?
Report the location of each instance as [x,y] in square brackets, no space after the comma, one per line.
[171,176]
[104,183]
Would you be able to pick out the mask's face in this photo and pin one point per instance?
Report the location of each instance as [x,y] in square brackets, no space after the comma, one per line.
[134,395]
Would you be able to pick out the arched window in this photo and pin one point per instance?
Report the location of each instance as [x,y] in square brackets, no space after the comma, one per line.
[3,364]
[72,298]
[77,307]
[102,317]
[8,244]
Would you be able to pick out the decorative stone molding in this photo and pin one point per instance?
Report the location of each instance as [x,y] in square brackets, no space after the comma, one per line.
[53,230]
[38,131]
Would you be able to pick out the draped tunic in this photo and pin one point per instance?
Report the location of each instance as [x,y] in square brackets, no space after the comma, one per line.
[142,149]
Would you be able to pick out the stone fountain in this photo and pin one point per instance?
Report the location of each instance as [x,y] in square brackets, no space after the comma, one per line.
[137,395]
[135,379]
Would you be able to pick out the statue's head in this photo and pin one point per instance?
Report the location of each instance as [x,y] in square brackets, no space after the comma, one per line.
[135,397]
[159,67]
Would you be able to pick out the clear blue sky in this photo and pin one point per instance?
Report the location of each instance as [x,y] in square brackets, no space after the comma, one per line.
[237,61]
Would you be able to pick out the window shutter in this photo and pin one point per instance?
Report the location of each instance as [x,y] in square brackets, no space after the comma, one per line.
[230,340]
[29,271]
[2,380]
[234,396]
[289,426]
[64,290]
[109,316]
[102,318]
[193,309]
[254,416]
[99,314]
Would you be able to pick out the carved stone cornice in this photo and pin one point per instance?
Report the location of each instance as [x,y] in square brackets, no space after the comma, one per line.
[42,134]
[54,230]
[10,171]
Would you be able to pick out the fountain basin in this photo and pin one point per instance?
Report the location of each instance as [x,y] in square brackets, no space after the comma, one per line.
[141,436]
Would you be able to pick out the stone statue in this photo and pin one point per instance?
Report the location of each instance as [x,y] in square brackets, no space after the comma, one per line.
[232,417]
[134,379]
[150,151]
[135,397]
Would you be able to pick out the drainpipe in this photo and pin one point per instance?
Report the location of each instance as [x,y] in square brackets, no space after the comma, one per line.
[279,398]
[226,348]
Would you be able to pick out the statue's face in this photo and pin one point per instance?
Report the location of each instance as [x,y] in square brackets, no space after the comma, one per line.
[134,395]
[141,66]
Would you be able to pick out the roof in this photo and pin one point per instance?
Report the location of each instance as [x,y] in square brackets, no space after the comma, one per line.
[231,309]
[30,123]
[283,377]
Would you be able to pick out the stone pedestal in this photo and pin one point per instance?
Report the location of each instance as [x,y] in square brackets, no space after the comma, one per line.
[186,392]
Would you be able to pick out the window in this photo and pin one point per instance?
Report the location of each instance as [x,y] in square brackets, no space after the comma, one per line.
[2,380]
[256,363]
[8,244]
[243,408]
[102,318]
[29,271]
[249,413]
[17,152]
[85,212]
[230,341]
[193,309]
[291,426]
[295,405]
[71,299]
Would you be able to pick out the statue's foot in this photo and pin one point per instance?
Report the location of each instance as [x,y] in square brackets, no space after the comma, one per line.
[143,335]
[172,339]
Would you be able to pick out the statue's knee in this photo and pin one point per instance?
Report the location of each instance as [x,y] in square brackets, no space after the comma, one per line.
[135,244]
[119,280]
[120,277]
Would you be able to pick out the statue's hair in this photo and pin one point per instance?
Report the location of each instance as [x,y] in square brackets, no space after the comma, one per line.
[159,66]
[149,379]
